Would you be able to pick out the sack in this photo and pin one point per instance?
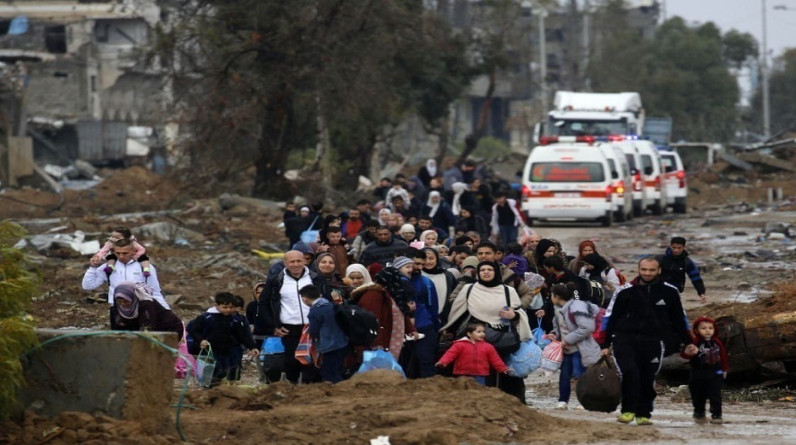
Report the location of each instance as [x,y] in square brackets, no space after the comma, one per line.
[599,314]
[527,359]
[379,359]
[358,323]
[306,353]
[600,387]
[552,356]
[205,367]
[184,362]
[534,281]
[538,335]
[505,340]
[310,236]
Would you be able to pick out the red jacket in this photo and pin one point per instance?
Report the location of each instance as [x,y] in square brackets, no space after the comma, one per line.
[472,358]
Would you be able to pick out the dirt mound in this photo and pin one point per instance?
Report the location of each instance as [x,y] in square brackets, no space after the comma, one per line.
[709,189]
[75,427]
[438,410]
[782,300]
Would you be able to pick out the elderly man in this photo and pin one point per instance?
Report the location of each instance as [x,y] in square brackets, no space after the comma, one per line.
[281,313]
[127,269]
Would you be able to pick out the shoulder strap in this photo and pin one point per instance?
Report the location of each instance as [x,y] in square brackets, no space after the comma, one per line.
[506,291]
[469,289]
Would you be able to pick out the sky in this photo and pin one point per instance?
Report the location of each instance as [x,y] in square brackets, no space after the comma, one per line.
[744,16]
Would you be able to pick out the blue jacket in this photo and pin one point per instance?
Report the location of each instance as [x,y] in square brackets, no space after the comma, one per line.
[324,330]
[427,312]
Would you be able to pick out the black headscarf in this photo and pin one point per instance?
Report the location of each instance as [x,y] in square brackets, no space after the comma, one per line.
[497,280]
[437,269]
[541,248]
[599,263]
[399,289]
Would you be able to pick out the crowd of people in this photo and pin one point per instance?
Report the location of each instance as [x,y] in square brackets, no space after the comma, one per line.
[442,262]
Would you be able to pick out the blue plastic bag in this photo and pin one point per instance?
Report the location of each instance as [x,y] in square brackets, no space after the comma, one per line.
[525,360]
[271,345]
[538,335]
[379,359]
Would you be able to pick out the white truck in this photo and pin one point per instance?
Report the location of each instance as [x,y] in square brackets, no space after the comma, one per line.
[594,114]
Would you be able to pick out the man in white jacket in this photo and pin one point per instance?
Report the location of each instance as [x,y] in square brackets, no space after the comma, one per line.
[127,269]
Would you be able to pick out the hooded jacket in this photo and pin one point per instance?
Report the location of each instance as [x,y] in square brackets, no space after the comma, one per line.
[712,356]
[473,358]
[674,268]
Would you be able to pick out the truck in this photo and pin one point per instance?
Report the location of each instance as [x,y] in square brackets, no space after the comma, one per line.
[594,114]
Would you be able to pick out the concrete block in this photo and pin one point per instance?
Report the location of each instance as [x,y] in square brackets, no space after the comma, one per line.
[120,374]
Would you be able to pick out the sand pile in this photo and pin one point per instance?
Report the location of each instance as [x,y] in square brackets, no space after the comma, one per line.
[381,403]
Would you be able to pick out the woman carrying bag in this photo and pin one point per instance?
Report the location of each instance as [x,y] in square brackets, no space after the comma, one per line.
[498,306]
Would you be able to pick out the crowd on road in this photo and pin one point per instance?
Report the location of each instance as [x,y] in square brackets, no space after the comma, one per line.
[455,280]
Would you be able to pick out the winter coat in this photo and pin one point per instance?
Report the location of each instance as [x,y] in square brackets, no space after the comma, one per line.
[577,334]
[675,268]
[324,330]
[377,252]
[473,358]
[375,299]
[224,333]
[269,305]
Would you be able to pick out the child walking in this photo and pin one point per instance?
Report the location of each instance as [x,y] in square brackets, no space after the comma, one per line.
[218,329]
[110,260]
[329,338]
[472,356]
[573,325]
[708,370]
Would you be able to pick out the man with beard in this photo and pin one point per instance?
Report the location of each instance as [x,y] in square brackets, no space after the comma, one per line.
[427,322]
[383,249]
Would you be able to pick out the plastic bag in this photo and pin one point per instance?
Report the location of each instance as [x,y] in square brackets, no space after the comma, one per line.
[538,335]
[379,359]
[272,355]
[600,387]
[526,360]
[306,353]
[205,367]
[533,280]
[552,356]
[184,362]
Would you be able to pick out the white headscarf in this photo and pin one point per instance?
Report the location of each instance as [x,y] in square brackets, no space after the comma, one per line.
[431,166]
[362,270]
[458,189]
[382,214]
[430,203]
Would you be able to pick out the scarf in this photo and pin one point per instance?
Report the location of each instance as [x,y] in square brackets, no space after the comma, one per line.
[437,269]
[494,281]
[458,190]
[361,269]
[383,213]
[126,291]
[541,248]
[484,303]
[431,166]
[434,206]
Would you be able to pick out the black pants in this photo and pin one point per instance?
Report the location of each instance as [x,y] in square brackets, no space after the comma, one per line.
[294,368]
[706,385]
[332,365]
[509,384]
[638,360]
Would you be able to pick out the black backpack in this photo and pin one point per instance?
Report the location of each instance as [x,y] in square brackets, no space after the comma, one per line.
[359,324]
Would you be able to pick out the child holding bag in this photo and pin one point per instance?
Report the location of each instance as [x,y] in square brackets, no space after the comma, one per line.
[573,325]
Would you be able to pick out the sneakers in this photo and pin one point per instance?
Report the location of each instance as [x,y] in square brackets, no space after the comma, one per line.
[643,421]
[626,417]
[561,406]
[716,420]
[699,418]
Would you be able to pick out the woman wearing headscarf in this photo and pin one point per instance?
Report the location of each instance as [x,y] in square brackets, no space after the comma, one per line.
[427,172]
[597,268]
[470,221]
[439,211]
[393,326]
[429,238]
[485,301]
[443,280]
[136,310]
[326,266]
[382,217]
[586,247]
[545,248]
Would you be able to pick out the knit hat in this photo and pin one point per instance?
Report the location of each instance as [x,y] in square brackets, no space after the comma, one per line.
[470,261]
[401,261]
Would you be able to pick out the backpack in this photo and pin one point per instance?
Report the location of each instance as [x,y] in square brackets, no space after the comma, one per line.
[359,324]
[597,294]
[599,314]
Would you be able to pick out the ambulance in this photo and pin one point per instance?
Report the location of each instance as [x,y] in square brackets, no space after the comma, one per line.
[652,171]
[674,180]
[569,180]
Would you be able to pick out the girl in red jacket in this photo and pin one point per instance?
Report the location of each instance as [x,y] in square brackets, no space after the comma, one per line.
[472,356]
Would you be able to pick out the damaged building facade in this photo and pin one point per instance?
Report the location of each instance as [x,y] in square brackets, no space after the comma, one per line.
[77,82]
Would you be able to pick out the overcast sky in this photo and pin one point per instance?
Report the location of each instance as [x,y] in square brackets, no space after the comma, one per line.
[743,15]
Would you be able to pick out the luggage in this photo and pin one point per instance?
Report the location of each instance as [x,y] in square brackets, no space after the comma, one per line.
[359,324]
[600,387]
[526,360]
[205,367]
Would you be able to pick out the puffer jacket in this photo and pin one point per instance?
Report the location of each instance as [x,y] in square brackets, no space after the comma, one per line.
[578,334]
[472,358]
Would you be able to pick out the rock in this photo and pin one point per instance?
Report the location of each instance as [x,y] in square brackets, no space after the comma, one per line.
[74,420]
[239,211]
[766,254]
[775,236]
[682,395]
[263,206]
[739,233]
[776,227]
[173,299]
[85,168]
[166,231]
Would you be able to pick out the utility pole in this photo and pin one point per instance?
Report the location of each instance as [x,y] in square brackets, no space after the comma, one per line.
[542,60]
[764,74]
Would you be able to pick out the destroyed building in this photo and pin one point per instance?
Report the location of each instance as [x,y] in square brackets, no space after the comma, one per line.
[77,82]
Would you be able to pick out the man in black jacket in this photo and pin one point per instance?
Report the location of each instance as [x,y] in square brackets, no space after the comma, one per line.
[643,321]
[281,313]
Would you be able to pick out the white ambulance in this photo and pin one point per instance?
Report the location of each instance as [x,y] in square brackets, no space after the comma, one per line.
[638,192]
[653,176]
[674,180]
[621,181]
[567,181]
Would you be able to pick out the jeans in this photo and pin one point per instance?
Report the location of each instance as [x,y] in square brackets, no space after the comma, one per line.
[332,365]
[480,379]
[571,368]
[508,234]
